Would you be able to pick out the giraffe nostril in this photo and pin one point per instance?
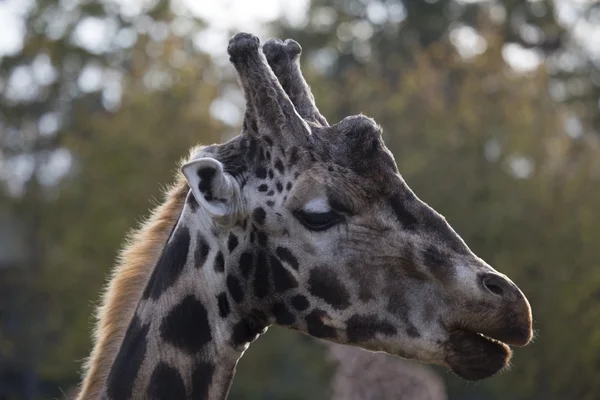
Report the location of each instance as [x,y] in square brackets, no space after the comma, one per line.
[494,284]
[494,289]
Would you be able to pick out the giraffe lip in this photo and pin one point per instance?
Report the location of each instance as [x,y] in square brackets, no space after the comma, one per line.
[489,338]
[518,336]
[474,356]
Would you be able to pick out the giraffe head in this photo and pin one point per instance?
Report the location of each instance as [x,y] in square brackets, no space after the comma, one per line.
[324,236]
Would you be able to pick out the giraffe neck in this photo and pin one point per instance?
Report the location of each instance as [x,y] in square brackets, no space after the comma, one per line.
[191,326]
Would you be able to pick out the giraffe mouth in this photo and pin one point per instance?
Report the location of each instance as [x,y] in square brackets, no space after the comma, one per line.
[475,356]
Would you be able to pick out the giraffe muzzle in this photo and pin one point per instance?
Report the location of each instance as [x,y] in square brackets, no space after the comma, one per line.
[510,319]
[478,346]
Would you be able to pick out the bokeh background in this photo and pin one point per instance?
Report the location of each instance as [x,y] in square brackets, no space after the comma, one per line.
[490,107]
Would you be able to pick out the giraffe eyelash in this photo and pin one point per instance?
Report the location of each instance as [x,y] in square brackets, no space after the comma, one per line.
[316,221]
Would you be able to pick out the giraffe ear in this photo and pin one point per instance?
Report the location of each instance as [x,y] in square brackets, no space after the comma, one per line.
[212,188]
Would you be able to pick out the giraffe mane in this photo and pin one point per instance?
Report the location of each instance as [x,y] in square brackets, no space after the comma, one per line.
[128,279]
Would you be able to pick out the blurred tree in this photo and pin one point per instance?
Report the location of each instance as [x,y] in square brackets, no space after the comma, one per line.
[557,32]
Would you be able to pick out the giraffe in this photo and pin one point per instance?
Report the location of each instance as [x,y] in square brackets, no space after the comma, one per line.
[363,375]
[301,224]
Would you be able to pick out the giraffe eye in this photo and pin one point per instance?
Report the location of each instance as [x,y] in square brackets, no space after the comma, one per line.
[318,221]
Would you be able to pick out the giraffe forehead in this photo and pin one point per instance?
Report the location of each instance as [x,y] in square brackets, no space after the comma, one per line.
[350,158]
[355,143]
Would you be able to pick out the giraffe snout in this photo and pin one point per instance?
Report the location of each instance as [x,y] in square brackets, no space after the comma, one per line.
[513,313]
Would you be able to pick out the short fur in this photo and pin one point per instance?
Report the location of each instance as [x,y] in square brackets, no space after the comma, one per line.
[127,281]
